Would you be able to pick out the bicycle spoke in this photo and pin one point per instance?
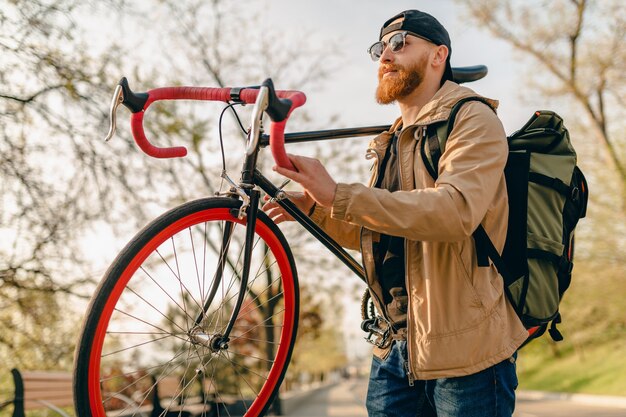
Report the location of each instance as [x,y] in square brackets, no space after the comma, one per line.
[156,381]
[177,278]
[235,365]
[135,346]
[247,313]
[256,296]
[251,356]
[145,333]
[231,281]
[180,281]
[153,307]
[148,391]
[182,390]
[158,285]
[260,325]
[138,371]
[243,400]
[255,340]
[235,274]
[261,304]
[201,286]
[152,325]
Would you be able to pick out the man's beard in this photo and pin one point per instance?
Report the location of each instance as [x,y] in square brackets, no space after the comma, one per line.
[393,88]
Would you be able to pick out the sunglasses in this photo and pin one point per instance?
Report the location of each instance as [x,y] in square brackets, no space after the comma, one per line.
[396,43]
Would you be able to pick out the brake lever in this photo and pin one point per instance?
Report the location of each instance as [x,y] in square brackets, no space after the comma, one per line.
[254,133]
[118,98]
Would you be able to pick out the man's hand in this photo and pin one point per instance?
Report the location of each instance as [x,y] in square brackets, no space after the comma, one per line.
[313,177]
[302,200]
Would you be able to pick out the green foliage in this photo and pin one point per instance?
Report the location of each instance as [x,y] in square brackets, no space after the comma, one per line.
[320,353]
[35,332]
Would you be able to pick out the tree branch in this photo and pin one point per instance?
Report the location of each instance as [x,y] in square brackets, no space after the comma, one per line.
[34,96]
[574,38]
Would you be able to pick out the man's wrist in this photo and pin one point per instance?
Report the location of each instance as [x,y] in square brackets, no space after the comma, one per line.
[332,198]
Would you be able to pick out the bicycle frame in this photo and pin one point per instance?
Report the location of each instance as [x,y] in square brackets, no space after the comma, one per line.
[252,178]
[278,105]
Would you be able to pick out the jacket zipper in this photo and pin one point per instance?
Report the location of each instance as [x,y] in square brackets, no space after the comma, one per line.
[407,363]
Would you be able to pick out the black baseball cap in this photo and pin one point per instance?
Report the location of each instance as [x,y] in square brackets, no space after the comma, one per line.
[425,26]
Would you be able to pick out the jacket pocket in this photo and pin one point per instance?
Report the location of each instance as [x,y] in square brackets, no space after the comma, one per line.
[465,256]
[455,306]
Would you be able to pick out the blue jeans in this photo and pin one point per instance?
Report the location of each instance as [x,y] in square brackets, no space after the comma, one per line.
[490,392]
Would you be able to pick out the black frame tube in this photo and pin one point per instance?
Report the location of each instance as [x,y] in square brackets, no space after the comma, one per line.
[308,224]
[318,135]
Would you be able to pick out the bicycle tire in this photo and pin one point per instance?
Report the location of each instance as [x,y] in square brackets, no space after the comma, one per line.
[140,325]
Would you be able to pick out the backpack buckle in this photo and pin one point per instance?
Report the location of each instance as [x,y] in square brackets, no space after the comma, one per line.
[575,195]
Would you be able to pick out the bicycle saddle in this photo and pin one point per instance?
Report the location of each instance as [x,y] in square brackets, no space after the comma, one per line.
[468,74]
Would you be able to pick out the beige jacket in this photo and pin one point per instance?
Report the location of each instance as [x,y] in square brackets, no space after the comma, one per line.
[459,321]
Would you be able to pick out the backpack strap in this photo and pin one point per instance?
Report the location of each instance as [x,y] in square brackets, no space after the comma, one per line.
[555,334]
[489,251]
[431,158]
[436,135]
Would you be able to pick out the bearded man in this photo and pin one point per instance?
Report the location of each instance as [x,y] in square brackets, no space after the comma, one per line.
[454,334]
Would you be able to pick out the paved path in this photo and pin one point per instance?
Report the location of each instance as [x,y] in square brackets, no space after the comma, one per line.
[563,408]
[347,398]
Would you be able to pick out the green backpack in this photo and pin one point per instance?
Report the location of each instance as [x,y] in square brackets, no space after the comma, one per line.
[547,196]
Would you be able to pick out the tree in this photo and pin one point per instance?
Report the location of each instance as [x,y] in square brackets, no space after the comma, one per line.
[61,185]
[50,175]
[576,47]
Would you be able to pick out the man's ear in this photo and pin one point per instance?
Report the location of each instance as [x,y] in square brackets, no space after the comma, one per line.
[440,56]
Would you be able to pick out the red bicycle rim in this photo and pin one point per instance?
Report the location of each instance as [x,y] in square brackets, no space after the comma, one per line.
[289,291]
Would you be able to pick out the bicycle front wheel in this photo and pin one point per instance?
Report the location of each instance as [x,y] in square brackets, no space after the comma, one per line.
[167,297]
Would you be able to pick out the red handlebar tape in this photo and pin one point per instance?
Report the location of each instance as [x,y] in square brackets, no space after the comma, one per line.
[277,130]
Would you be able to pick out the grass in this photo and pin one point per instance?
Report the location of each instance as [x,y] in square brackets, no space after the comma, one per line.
[592,358]
[597,369]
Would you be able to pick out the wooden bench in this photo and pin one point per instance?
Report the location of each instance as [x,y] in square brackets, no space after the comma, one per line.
[41,389]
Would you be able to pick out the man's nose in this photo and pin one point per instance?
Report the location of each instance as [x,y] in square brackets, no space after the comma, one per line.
[386,56]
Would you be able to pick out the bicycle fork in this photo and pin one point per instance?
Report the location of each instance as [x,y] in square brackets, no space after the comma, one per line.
[220,341]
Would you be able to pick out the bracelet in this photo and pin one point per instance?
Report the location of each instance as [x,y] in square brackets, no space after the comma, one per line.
[312,209]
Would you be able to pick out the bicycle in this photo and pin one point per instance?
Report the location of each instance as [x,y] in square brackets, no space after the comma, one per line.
[207,292]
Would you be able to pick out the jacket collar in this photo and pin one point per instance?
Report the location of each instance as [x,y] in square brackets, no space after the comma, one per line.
[436,110]
[439,107]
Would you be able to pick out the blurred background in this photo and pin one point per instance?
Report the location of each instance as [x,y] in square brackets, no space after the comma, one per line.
[69,201]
